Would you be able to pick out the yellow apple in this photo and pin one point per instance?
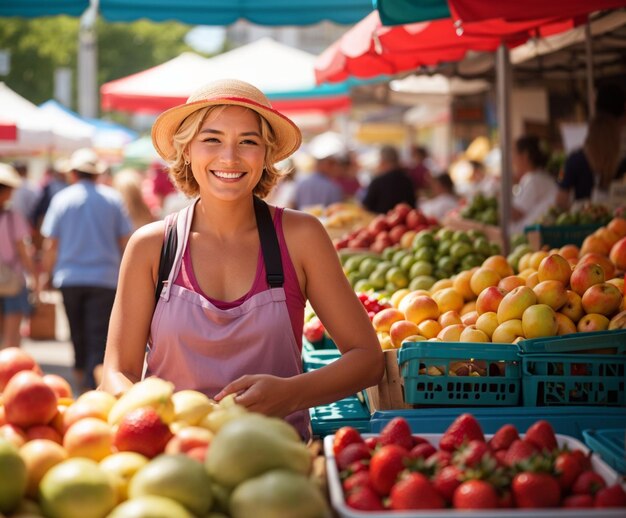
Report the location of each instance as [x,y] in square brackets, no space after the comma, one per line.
[539,320]
[508,331]
[514,304]
[487,323]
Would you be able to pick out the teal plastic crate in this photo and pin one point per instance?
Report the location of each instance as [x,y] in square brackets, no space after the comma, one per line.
[556,236]
[323,344]
[609,444]
[312,360]
[576,342]
[499,385]
[570,421]
[574,379]
[350,411]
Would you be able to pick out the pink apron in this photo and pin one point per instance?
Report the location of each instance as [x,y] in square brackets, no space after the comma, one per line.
[198,346]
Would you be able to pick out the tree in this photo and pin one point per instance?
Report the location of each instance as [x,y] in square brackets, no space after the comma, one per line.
[39,46]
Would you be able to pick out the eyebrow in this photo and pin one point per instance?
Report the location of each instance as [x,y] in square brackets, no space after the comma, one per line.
[217,132]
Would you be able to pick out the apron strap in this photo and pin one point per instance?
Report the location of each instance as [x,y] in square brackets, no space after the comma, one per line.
[269,244]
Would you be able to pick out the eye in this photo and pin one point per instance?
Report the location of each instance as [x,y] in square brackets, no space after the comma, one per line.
[250,142]
[209,139]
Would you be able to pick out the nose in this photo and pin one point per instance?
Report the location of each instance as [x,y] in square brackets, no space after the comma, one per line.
[229,154]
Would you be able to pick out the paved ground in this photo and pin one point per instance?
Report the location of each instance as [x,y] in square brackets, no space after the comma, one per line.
[54,356]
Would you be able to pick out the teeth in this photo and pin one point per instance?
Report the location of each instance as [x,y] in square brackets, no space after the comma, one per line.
[227,175]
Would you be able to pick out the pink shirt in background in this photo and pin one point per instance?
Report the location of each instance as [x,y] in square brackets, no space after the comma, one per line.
[18,231]
[295,300]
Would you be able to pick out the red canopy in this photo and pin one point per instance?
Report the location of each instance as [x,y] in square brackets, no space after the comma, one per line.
[369,49]
[475,10]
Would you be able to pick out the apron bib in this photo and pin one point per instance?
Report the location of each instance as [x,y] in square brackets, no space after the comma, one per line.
[196,345]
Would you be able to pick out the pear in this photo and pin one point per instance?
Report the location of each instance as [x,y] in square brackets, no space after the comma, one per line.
[515,303]
[152,392]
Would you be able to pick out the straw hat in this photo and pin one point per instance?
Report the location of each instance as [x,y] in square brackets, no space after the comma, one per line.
[9,176]
[226,91]
[85,160]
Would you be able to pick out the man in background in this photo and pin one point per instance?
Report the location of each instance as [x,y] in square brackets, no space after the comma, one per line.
[86,229]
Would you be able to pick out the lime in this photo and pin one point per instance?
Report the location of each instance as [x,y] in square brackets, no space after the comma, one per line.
[377,280]
[474,233]
[444,247]
[422,282]
[352,263]
[388,252]
[383,266]
[367,266]
[424,238]
[482,246]
[362,285]
[461,236]
[447,264]
[460,250]
[425,254]
[471,260]
[397,277]
[353,277]
[398,256]
[420,268]
[445,233]
[407,262]
[495,249]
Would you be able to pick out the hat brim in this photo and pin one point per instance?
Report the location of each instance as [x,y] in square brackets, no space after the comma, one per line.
[288,136]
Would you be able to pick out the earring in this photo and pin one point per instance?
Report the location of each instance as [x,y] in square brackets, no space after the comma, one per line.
[187,162]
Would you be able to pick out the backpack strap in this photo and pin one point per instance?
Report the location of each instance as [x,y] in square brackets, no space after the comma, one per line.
[269,244]
[168,254]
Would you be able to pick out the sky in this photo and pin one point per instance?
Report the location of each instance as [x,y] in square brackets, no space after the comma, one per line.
[205,38]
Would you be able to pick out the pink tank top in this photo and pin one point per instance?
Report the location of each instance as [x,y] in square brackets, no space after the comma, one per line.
[295,300]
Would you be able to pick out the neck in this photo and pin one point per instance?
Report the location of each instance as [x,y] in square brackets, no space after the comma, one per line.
[224,218]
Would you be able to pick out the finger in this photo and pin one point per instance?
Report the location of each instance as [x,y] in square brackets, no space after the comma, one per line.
[234,387]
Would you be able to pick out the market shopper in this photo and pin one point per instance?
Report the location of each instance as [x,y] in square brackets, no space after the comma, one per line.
[16,259]
[536,188]
[391,185]
[229,319]
[85,231]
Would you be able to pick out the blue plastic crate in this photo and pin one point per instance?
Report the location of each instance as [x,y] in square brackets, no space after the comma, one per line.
[350,411]
[498,385]
[556,236]
[576,342]
[609,444]
[312,360]
[574,379]
[565,420]
[323,344]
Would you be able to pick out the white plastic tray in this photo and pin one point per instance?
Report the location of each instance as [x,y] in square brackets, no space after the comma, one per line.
[601,467]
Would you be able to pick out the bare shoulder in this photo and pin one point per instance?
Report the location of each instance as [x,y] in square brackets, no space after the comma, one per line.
[304,234]
[298,224]
[147,239]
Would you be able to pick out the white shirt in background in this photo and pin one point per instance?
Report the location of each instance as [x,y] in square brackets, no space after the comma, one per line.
[535,194]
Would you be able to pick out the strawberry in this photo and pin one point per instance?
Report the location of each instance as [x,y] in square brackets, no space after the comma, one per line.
[352,453]
[415,492]
[422,451]
[142,431]
[397,431]
[385,466]
[465,428]
[440,459]
[519,451]
[503,438]
[588,483]
[611,496]
[447,480]
[418,439]
[567,468]
[541,434]
[344,436]
[475,494]
[577,501]
[535,490]
[358,466]
[505,500]
[364,498]
[471,454]
[583,458]
[372,442]
[362,478]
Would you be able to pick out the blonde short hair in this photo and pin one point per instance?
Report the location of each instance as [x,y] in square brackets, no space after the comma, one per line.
[179,171]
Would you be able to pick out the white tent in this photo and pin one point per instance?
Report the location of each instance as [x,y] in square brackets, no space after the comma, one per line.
[28,129]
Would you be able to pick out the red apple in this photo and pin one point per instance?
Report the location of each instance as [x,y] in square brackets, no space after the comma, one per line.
[188,438]
[142,431]
[586,275]
[378,224]
[618,254]
[28,400]
[44,431]
[489,299]
[396,233]
[414,219]
[12,361]
[604,299]
[60,385]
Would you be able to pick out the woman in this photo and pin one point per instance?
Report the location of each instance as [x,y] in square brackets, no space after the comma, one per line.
[16,254]
[219,325]
[128,183]
[536,189]
[588,172]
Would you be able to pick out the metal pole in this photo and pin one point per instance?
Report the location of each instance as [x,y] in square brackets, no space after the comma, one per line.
[589,59]
[88,63]
[503,88]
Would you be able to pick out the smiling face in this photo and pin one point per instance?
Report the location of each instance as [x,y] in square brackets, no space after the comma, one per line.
[227,154]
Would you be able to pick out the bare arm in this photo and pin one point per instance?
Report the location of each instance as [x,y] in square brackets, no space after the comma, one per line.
[48,260]
[129,326]
[336,304]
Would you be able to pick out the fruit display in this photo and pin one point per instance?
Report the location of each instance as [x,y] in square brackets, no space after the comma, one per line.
[462,469]
[429,256]
[341,217]
[588,214]
[151,452]
[555,292]
[483,209]
[398,226]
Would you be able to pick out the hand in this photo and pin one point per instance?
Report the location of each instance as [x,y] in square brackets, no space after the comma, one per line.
[269,395]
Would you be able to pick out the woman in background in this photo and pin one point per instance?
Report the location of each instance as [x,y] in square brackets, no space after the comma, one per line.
[128,184]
